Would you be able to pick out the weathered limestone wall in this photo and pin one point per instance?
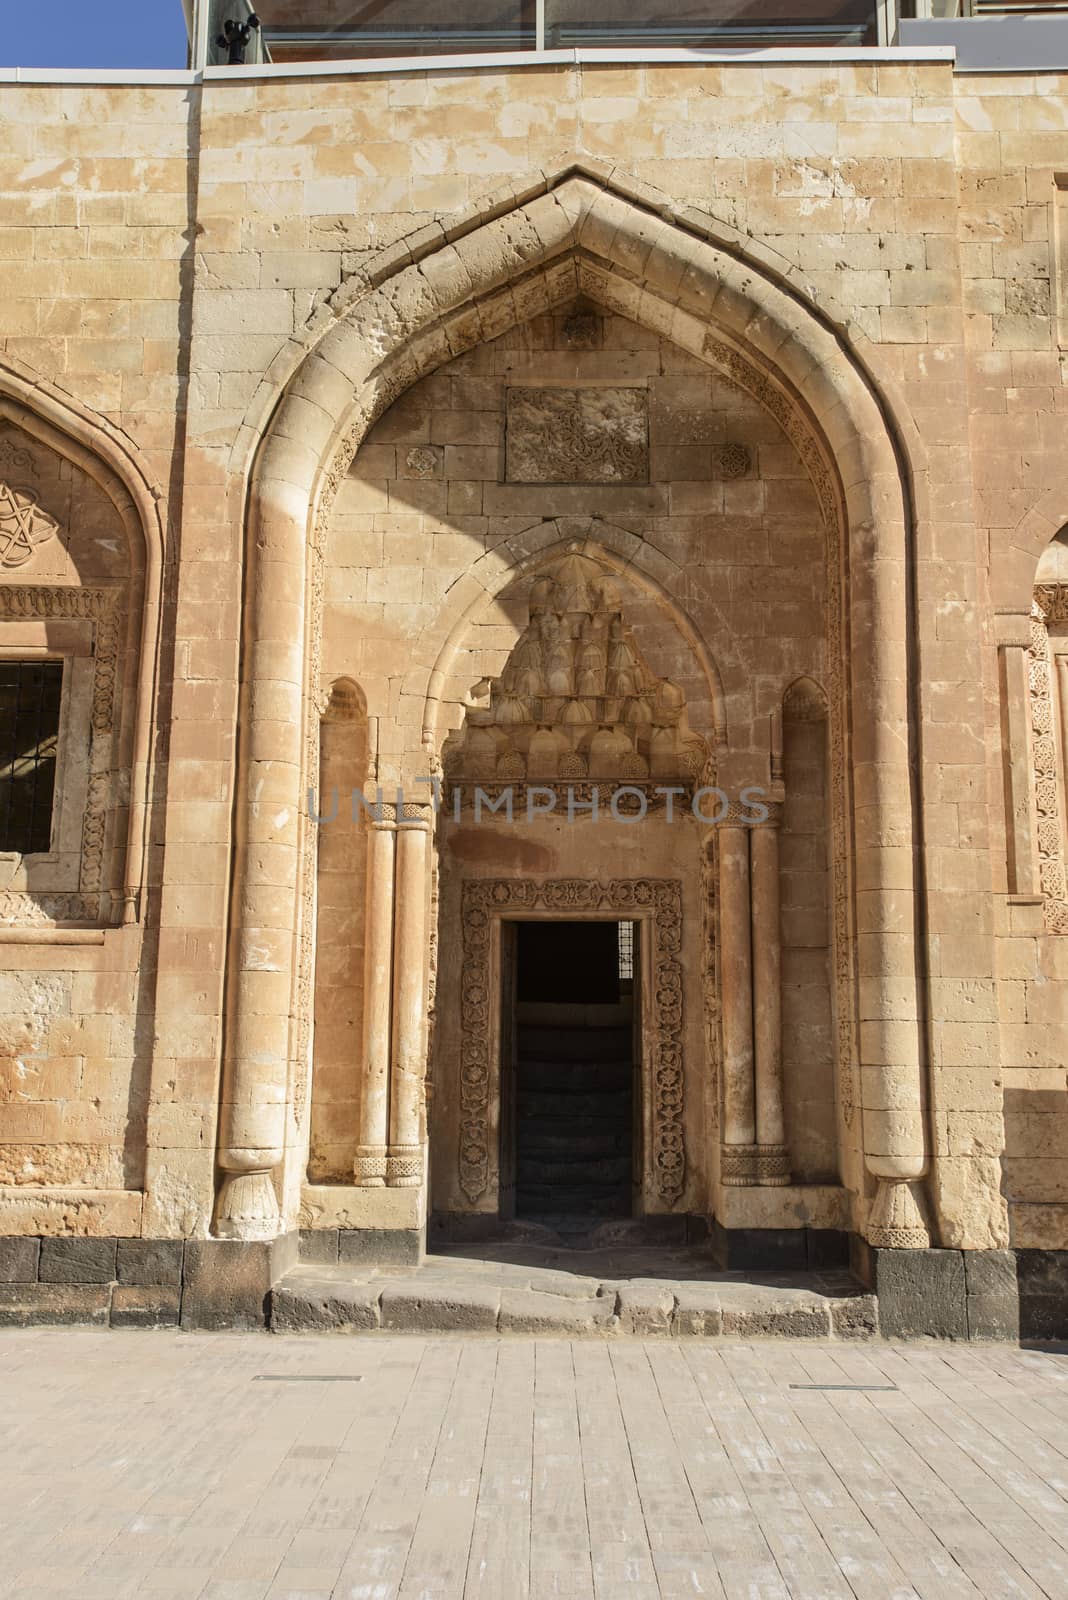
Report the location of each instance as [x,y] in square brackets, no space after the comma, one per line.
[921,203]
[425,501]
[808,1033]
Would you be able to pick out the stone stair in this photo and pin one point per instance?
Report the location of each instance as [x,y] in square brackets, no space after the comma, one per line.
[574,1101]
[463,1291]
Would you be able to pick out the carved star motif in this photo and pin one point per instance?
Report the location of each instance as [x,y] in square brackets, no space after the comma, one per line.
[23,526]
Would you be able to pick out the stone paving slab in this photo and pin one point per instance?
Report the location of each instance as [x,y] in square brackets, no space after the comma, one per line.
[470,1293]
[240,1467]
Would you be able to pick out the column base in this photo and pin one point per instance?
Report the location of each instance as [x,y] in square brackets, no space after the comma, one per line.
[246,1207]
[369,1167]
[895,1221]
[404,1166]
[227,1281]
[744,1166]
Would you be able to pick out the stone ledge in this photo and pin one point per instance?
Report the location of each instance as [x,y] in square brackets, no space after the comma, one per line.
[64,1213]
[311,1299]
[333,1206]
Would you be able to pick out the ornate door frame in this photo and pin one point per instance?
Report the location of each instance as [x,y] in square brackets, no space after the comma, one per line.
[654,902]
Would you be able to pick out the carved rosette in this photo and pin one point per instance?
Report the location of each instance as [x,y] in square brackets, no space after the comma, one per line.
[1050,605]
[657,901]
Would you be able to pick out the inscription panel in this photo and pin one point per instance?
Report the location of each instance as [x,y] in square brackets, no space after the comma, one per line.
[577,436]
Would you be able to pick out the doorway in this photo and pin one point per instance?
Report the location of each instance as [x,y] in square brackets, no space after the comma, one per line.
[569,1071]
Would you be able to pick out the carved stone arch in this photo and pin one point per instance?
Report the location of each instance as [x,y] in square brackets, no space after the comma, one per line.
[343,701]
[612,548]
[731,311]
[643,197]
[1013,567]
[126,646]
[805,701]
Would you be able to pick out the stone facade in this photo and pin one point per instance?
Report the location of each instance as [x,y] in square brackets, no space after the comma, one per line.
[311,389]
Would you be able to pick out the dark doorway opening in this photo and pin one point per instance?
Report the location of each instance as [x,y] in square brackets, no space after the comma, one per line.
[569,1035]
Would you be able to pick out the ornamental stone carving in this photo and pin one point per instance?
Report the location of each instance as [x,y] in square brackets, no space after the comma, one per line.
[656,901]
[23,525]
[577,436]
[576,701]
[732,461]
[15,458]
[1050,606]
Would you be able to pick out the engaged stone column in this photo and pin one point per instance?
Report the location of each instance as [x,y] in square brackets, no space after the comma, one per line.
[1016,689]
[771,1161]
[891,1061]
[404,1163]
[739,1112]
[369,1166]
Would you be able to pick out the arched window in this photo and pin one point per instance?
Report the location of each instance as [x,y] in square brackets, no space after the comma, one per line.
[72,595]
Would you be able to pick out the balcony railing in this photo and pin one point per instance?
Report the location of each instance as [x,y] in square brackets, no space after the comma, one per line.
[348,30]
[292,32]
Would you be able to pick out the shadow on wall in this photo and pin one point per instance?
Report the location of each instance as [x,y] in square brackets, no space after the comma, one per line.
[1035,1183]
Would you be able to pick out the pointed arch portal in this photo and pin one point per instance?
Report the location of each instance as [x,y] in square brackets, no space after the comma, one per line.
[429,303]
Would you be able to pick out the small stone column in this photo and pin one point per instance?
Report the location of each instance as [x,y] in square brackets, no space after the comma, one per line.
[404,1162]
[771,1158]
[369,1167]
[739,1109]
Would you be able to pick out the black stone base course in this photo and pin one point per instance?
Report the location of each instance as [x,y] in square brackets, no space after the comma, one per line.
[1042,1276]
[373,1247]
[140,1283]
[221,1284]
[780,1249]
[942,1294]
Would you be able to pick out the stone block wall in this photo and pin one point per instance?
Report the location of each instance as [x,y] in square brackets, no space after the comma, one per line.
[167,256]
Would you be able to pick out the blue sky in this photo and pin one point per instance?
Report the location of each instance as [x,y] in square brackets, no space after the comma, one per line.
[92,33]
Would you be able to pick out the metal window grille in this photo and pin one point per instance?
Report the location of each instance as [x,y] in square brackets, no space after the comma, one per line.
[30,693]
[626,949]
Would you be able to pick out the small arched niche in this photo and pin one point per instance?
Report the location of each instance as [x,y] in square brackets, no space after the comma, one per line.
[807,1013]
[344,764]
[72,659]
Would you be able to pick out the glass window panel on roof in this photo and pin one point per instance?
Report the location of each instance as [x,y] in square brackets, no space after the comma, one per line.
[343,30]
[708,24]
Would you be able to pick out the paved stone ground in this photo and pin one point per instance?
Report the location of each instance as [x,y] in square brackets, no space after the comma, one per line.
[244,1467]
[527,1288]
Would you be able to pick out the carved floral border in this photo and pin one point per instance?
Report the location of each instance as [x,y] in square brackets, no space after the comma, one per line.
[1050,605]
[656,901]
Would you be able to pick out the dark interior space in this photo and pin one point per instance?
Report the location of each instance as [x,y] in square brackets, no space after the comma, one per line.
[575,1077]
